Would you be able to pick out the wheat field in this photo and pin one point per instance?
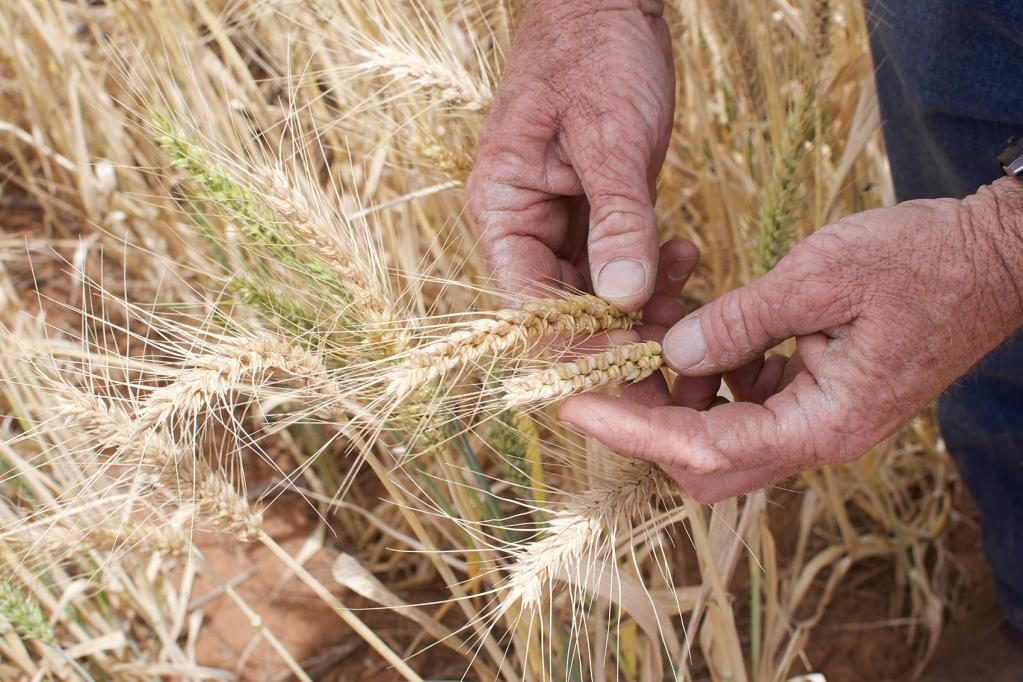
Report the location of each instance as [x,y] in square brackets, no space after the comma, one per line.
[246,338]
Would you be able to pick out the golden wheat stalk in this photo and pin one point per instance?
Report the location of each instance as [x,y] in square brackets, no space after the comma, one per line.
[506,331]
[631,362]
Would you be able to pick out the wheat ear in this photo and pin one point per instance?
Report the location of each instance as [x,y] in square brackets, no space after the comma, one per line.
[65,537]
[24,614]
[291,205]
[631,362]
[583,530]
[213,375]
[215,498]
[507,330]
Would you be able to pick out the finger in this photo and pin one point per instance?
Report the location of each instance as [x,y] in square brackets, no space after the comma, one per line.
[727,438]
[651,392]
[716,487]
[757,380]
[515,193]
[734,329]
[677,261]
[570,277]
[651,332]
[696,393]
[794,366]
[612,158]
[663,311]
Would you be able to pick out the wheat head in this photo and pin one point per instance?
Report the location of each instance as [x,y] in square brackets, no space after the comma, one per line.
[506,331]
[631,362]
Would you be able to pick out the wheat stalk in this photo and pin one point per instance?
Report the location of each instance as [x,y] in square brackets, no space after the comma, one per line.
[516,439]
[631,362]
[506,331]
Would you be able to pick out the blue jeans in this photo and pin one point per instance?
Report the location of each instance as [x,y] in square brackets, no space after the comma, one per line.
[950,81]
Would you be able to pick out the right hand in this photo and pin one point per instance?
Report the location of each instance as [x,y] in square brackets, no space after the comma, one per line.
[563,186]
[888,307]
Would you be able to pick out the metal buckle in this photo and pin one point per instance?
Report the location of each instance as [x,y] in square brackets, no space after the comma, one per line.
[1011,160]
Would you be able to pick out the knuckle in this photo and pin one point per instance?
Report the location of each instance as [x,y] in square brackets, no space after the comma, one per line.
[491,247]
[731,330]
[619,219]
[481,200]
[614,148]
[818,279]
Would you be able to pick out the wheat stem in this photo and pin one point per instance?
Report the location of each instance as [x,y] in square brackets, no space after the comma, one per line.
[256,621]
[340,609]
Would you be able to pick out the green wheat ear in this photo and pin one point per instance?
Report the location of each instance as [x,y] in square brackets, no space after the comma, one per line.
[24,614]
[515,438]
[775,222]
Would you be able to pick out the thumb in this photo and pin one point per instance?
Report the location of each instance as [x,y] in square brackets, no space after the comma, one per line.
[743,324]
[614,169]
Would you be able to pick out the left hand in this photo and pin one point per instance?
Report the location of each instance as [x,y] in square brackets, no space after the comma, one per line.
[888,307]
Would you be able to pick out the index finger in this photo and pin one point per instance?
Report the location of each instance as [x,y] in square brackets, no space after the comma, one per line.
[517,195]
[790,430]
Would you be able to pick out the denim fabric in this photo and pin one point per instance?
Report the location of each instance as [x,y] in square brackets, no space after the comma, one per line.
[950,80]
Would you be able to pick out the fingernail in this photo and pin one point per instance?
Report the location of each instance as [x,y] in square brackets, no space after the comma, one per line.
[680,269]
[684,346]
[621,279]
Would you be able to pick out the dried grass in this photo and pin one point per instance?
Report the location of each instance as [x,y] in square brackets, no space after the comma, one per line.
[263,294]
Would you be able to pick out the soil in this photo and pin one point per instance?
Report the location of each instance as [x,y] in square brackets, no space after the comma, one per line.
[856,640]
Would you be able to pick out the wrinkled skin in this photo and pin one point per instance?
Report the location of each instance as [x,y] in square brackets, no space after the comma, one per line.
[888,307]
[563,183]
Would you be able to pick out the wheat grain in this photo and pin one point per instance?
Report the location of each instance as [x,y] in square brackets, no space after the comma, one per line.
[506,331]
[631,362]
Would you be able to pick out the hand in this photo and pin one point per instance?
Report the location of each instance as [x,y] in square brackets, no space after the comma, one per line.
[563,185]
[888,307]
